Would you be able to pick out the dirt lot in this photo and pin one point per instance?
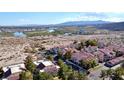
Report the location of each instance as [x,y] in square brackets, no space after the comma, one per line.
[11,51]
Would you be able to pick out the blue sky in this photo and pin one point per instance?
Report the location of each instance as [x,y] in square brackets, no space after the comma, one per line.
[23,18]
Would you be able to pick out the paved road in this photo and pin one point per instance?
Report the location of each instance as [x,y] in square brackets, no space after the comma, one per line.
[77,66]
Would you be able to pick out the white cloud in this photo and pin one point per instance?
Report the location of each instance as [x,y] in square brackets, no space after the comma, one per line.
[24,20]
[81,18]
[112,17]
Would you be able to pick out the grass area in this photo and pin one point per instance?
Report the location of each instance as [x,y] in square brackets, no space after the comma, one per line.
[95,68]
[36,33]
[33,33]
[42,33]
[6,34]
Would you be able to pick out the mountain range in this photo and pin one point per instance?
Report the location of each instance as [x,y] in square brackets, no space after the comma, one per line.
[76,23]
[113,26]
[116,26]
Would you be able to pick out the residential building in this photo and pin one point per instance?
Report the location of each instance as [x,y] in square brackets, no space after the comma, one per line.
[76,57]
[115,61]
[13,71]
[46,66]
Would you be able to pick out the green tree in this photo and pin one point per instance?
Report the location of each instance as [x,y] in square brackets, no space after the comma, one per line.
[36,74]
[83,64]
[45,76]
[109,73]
[82,76]
[93,63]
[67,73]
[68,55]
[113,74]
[50,57]
[79,47]
[75,75]
[87,64]
[103,74]
[1,72]
[91,43]
[60,62]
[59,54]
[119,72]
[26,75]
[64,71]
[29,64]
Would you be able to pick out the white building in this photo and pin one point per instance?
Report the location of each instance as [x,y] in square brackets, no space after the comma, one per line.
[13,70]
[46,66]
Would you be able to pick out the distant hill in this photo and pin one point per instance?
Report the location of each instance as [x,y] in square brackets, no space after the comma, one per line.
[117,26]
[68,26]
[76,23]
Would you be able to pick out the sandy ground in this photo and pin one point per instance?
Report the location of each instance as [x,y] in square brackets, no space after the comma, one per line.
[11,51]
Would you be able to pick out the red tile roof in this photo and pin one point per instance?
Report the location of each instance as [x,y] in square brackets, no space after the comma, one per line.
[116,60]
[100,55]
[82,56]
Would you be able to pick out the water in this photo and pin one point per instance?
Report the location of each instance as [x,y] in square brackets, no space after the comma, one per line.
[51,30]
[19,34]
